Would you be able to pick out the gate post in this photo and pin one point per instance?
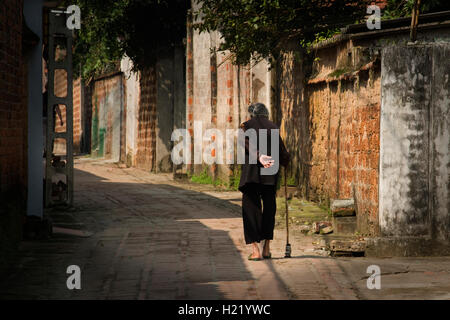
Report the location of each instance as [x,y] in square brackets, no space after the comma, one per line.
[59,31]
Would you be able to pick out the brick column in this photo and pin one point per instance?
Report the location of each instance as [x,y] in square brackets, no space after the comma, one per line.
[190,85]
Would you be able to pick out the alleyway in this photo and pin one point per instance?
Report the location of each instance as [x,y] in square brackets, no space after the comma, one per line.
[145,236]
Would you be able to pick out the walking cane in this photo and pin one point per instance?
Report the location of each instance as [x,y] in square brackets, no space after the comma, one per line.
[288,246]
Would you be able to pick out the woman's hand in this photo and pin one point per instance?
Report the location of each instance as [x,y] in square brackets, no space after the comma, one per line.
[266,161]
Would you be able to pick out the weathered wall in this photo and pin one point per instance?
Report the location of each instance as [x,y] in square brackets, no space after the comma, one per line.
[61,91]
[77,115]
[292,114]
[146,122]
[414,171]
[218,92]
[344,145]
[107,117]
[330,122]
[201,109]
[164,113]
[131,100]
[135,112]
[440,143]
[82,113]
[59,146]
[170,104]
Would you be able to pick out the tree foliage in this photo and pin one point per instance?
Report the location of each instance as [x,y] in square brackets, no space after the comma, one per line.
[403,8]
[258,28]
[140,29]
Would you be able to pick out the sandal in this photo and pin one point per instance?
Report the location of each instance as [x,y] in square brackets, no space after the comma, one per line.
[253,259]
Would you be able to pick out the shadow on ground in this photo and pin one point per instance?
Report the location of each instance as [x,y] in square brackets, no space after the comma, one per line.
[148,242]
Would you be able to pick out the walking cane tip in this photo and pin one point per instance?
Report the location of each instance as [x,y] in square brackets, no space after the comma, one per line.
[288,251]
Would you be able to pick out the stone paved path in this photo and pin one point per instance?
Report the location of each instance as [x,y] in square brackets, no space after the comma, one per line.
[155,238]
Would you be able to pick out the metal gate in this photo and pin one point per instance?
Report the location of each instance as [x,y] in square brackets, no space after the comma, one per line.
[59,138]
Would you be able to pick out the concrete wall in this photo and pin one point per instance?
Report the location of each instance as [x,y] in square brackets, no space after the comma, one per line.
[201,109]
[219,92]
[107,117]
[131,100]
[164,113]
[414,156]
[440,143]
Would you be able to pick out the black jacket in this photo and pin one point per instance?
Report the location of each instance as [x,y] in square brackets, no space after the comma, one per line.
[251,173]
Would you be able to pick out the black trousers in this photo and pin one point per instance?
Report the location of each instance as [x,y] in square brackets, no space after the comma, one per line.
[258,222]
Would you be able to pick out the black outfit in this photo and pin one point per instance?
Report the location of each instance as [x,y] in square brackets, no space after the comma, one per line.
[259,221]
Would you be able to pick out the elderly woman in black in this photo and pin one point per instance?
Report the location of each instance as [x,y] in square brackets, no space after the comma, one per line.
[259,221]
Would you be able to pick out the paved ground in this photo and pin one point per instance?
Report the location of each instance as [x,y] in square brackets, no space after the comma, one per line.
[154,238]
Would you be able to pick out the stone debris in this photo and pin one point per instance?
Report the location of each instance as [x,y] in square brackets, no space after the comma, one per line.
[304,229]
[343,207]
[317,226]
[326,230]
[347,246]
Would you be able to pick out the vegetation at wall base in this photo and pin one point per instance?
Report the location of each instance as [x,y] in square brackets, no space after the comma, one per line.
[205,178]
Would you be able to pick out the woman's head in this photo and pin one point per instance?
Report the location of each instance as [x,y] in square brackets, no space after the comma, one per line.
[250,110]
[258,109]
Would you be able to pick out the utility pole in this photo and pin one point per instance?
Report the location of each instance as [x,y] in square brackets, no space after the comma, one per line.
[415,20]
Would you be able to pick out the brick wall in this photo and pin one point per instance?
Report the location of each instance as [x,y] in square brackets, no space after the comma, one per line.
[190,84]
[13,112]
[331,127]
[61,91]
[59,147]
[219,92]
[107,99]
[291,116]
[146,135]
[329,123]
[13,125]
[77,129]
[344,144]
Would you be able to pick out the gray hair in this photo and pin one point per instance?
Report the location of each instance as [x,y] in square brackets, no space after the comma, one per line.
[258,109]
[250,109]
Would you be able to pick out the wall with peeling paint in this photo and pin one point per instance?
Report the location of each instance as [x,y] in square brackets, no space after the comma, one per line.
[131,101]
[414,144]
[107,117]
